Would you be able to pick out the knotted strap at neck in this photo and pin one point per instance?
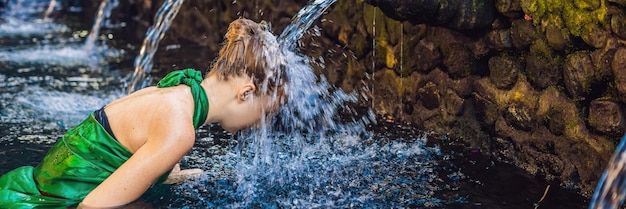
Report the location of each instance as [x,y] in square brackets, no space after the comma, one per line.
[191,78]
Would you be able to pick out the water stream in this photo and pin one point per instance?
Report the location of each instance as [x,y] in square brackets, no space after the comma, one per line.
[143,63]
[302,22]
[51,7]
[373,75]
[104,12]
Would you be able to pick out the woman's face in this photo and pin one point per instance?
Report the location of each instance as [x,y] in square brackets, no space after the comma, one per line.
[249,113]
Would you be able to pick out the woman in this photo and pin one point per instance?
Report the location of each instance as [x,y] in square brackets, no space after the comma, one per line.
[120,150]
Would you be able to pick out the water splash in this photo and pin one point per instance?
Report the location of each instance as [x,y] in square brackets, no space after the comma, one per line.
[44,44]
[302,22]
[316,152]
[104,12]
[22,19]
[143,62]
[611,190]
[12,26]
[64,55]
[382,170]
[22,9]
[49,98]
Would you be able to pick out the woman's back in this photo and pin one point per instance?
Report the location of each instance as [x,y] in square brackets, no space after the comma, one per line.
[141,116]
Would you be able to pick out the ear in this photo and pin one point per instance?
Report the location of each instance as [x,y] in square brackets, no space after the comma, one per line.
[245,92]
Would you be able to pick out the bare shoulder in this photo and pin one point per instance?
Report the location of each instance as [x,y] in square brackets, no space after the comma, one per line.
[153,114]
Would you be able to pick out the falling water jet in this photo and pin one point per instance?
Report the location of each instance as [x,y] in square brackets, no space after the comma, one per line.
[49,10]
[104,11]
[143,62]
[401,69]
[302,22]
[611,190]
[373,56]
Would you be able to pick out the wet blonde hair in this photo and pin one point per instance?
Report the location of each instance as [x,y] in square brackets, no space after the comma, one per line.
[250,49]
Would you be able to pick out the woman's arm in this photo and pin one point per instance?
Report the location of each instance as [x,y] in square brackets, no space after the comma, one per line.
[178,176]
[143,168]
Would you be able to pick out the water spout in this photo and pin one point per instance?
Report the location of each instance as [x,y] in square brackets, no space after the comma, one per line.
[51,7]
[402,90]
[611,189]
[301,22]
[143,62]
[104,11]
[372,77]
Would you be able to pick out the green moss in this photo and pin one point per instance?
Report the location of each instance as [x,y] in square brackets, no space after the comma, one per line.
[587,4]
[540,48]
[572,130]
[574,13]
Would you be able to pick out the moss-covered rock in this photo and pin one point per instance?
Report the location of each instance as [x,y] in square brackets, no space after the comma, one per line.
[453,103]
[595,36]
[458,60]
[618,65]
[579,143]
[543,66]
[607,117]
[618,25]
[519,116]
[558,38]
[569,14]
[385,34]
[578,74]
[429,95]
[503,71]
[500,39]
[523,34]
[620,2]
[427,56]
[519,103]
[391,91]
[602,59]
[509,8]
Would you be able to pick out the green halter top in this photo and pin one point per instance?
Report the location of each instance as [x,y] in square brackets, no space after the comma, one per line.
[191,78]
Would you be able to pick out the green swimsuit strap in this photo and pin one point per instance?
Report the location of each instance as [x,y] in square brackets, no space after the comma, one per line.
[191,78]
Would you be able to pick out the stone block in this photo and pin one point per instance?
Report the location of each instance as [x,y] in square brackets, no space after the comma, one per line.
[607,117]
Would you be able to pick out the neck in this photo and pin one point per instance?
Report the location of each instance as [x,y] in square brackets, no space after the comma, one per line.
[219,93]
